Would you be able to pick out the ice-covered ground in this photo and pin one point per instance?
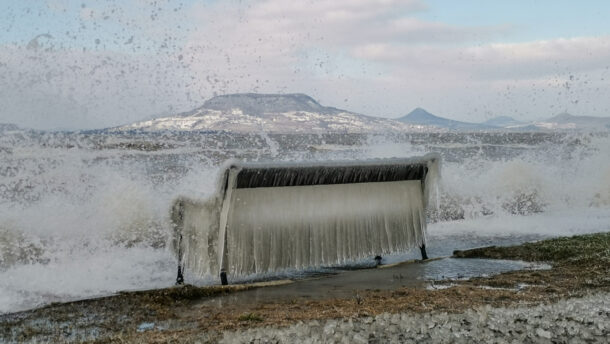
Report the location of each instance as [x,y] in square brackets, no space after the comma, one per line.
[585,320]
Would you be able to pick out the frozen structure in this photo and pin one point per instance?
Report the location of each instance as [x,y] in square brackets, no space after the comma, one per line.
[266,218]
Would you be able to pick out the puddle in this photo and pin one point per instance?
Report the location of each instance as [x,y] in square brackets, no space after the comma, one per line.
[443,245]
[348,283]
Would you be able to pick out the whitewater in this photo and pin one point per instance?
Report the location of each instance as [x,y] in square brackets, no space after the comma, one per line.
[85,214]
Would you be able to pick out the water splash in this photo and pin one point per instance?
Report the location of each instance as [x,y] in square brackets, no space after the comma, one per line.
[96,205]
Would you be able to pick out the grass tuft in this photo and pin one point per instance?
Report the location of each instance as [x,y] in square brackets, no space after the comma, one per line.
[250,317]
[589,249]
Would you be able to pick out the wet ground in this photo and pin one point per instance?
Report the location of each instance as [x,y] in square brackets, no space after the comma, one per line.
[346,284]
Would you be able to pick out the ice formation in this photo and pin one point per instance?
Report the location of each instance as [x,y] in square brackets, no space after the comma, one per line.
[272,217]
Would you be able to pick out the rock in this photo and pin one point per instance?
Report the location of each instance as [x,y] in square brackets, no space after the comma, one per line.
[358,339]
[544,334]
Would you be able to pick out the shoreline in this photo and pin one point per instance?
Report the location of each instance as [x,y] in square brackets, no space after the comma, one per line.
[580,267]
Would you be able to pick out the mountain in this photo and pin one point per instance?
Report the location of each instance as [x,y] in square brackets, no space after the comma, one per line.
[563,121]
[504,122]
[299,113]
[420,116]
[567,121]
[260,104]
[278,113]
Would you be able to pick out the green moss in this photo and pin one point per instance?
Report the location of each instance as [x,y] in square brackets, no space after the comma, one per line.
[579,250]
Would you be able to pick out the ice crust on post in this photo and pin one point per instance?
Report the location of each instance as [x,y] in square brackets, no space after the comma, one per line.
[266,218]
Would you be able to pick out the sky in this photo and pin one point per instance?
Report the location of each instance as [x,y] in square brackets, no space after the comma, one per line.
[92,64]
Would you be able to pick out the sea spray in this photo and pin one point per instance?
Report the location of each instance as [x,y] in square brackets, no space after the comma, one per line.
[87,213]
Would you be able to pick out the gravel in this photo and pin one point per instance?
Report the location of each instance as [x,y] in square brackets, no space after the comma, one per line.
[577,320]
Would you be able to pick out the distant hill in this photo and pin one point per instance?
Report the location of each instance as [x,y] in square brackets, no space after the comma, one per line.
[566,121]
[420,116]
[259,104]
[503,122]
[563,121]
[279,113]
[8,127]
[300,113]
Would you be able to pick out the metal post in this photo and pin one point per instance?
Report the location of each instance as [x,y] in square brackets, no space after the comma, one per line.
[424,255]
[223,277]
[178,221]
[378,260]
[180,277]
[224,216]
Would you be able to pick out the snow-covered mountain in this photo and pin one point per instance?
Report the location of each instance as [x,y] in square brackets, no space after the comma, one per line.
[261,104]
[299,113]
[279,113]
[420,116]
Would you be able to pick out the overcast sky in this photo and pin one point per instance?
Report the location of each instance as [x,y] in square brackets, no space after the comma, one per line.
[92,64]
